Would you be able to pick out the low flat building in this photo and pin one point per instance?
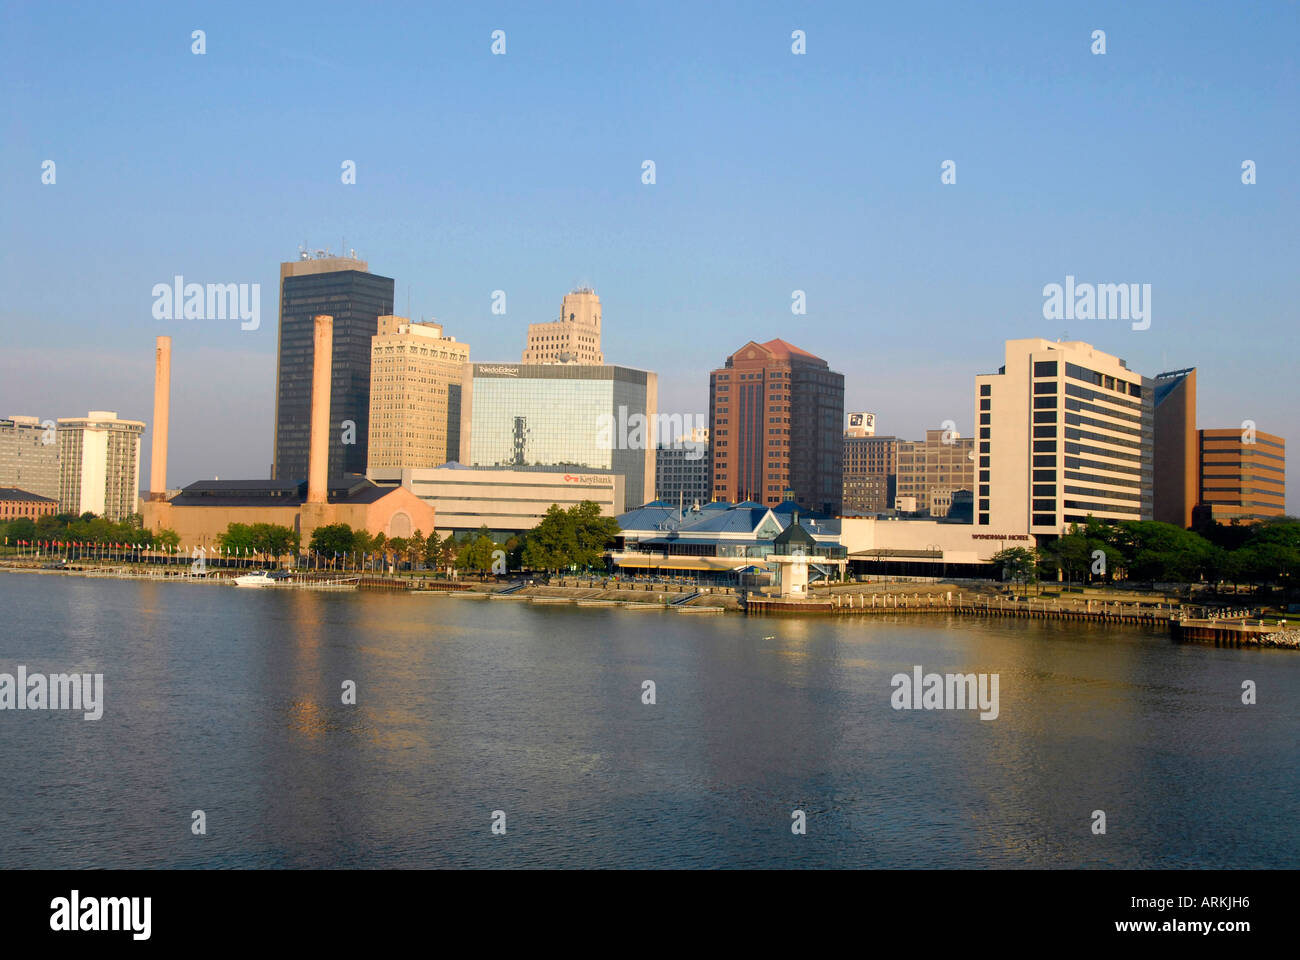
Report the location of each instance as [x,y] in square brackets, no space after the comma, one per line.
[930,548]
[15,504]
[505,501]
[719,541]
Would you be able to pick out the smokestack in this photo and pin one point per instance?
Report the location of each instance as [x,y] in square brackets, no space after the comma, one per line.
[322,366]
[162,387]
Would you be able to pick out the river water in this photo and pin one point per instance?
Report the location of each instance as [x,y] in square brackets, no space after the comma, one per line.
[230,702]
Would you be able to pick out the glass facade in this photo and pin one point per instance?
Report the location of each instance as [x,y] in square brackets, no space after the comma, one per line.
[563,416]
[355,300]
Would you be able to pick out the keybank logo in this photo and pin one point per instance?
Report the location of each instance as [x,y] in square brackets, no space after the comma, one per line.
[74,913]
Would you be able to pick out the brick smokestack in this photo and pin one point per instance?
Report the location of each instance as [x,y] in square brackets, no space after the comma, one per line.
[322,367]
[162,387]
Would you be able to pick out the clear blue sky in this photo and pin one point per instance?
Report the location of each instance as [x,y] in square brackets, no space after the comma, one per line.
[775,172]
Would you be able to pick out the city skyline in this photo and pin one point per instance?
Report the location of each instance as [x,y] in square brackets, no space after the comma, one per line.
[763,188]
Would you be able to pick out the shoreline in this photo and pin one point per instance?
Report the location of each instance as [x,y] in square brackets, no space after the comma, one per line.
[689,599]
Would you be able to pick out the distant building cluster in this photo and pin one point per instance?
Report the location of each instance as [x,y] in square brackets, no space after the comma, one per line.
[386,420]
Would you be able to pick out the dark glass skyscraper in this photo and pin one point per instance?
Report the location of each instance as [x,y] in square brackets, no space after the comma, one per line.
[343,288]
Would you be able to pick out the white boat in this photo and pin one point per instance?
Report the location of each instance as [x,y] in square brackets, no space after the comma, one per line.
[259,578]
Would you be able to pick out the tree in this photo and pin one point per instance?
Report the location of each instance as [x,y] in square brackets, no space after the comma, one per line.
[1019,564]
[398,546]
[432,548]
[415,548]
[238,538]
[331,538]
[166,538]
[564,538]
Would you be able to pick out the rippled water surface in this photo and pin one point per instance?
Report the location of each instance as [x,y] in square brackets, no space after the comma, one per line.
[229,702]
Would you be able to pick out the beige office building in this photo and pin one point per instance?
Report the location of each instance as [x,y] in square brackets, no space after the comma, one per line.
[99,464]
[29,456]
[467,498]
[1064,432]
[415,395]
[574,338]
[930,471]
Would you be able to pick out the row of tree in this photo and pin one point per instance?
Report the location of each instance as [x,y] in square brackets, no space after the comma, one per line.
[88,528]
[1150,551]
[575,538]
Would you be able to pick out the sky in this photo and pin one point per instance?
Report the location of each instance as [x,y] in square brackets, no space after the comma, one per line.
[775,172]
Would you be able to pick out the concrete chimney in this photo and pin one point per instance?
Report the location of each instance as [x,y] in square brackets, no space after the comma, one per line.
[162,386]
[322,367]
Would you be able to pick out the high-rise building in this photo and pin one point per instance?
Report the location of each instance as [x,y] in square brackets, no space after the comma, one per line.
[574,338]
[1176,458]
[29,456]
[1065,432]
[341,287]
[563,416]
[415,395]
[99,465]
[776,416]
[682,470]
[870,473]
[930,471]
[1242,475]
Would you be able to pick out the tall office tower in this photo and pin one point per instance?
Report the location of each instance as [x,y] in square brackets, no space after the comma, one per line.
[574,338]
[563,416]
[340,287]
[682,470]
[776,416]
[870,473]
[933,469]
[415,395]
[99,465]
[1065,432]
[1242,475]
[1177,457]
[29,456]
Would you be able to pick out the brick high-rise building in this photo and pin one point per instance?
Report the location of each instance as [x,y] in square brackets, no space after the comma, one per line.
[870,474]
[930,471]
[1242,475]
[776,416]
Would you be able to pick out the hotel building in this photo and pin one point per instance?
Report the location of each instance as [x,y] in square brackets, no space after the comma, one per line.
[415,395]
[341,287]
[1065,431]
[29,456]
[1242,475]
[99,465]
[776,416]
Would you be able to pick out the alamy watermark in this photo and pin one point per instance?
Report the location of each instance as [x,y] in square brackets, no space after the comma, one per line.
[57,691]
[1100,301]
[214,301]
[639,431]
[952,691]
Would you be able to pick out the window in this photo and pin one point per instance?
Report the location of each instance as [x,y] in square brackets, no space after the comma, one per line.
[1044,368]
[986,404]
[1044,461]
[984,433]
[1044,520]
[1047,386]
[986,390]
[1044,446]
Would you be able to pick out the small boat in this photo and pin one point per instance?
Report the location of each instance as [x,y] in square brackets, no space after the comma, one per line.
[259,578]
